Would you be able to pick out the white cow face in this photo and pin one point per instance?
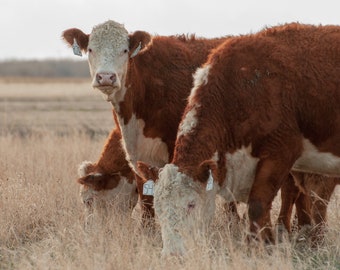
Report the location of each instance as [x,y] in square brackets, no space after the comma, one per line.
[100,192]
[109,48]
[108,55]
[183,206]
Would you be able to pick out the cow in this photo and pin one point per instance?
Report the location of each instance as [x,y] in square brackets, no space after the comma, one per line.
[147,79]
[261,105]
[311,200]
[110,179]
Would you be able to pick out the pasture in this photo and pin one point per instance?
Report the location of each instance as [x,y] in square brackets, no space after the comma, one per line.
[47,128]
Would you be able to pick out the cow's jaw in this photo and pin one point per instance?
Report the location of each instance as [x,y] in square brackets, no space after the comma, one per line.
[180,207]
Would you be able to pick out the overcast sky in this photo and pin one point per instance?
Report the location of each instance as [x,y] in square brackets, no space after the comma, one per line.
[31,29]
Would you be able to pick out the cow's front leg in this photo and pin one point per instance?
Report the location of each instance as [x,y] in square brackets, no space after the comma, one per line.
[268,180]
[289,194]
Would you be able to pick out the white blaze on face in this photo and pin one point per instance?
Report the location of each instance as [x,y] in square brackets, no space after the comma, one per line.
[314,161]
[181,205]
[108,54]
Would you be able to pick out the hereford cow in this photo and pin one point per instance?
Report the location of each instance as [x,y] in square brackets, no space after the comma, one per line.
[147,79]
[110,179]
[311,200]
[261,105]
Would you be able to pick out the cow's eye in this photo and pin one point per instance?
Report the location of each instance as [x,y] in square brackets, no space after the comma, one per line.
[89,50]
[126,51]
[190,207]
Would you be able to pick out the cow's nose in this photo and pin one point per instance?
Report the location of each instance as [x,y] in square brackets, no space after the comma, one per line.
[106,78]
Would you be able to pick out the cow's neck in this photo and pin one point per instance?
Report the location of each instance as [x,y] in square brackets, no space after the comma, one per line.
[132,118]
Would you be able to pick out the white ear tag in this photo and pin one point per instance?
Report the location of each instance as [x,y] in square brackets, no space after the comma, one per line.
[76,48]
[210,183]
[136,51]
[148,187]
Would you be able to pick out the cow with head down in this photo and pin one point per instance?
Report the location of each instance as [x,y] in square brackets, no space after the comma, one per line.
[109,181]
[261,105]
[147,79]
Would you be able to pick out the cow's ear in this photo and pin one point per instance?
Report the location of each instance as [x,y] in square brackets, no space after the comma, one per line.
[75,37]
[147,171]
[138,41]
[205,173]
[92,181]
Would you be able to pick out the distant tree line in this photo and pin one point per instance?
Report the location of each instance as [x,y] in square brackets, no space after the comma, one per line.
[44,68]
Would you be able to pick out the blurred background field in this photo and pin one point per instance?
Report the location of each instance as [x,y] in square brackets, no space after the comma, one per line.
[34,102]
[48,126]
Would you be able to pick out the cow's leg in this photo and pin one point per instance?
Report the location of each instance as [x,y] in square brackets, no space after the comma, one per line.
[319,209]
[289,194]
[271,172]
[303,210]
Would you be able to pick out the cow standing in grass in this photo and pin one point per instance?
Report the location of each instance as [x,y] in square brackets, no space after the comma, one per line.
[261,105]
[147,80]
[110,180]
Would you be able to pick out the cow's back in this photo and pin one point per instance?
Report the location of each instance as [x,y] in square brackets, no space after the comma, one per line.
[165,76]
[287,75]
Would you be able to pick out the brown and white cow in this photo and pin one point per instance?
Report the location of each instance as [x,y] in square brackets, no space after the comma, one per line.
[311,200]
[261,105]
[147,79]
[109,180]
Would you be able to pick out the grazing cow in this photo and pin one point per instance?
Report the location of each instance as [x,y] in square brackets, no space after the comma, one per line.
[110,179]
[261,105]
[147,79]
[311,200]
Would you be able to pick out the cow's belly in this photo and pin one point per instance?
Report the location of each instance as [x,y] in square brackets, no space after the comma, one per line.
[314,161]
[140,148]
[241,168]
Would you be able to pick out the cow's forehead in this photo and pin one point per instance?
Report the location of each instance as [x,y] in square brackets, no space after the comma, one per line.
[109,33]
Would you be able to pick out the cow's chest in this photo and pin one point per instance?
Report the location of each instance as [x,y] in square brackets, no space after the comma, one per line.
[140,148]
[241,168]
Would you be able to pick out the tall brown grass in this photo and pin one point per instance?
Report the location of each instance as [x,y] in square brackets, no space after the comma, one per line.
[42,218]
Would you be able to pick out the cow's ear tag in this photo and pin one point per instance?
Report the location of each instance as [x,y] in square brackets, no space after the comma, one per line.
[148,187]
[136,51]
[76,48]
[210,183]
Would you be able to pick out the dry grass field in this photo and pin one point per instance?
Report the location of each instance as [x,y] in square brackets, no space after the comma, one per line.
[47,128]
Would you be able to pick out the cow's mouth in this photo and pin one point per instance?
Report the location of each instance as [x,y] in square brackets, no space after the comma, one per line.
[107,90]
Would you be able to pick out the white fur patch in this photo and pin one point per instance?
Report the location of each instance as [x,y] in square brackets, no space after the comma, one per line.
[200,77]
[82,169]
[190,120]
[140,148]
[188,123]
[241,168]
[314,161]
[109,43]
[174,193]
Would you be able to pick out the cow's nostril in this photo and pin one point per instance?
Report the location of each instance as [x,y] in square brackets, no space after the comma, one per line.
[113,78]
[99,78]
